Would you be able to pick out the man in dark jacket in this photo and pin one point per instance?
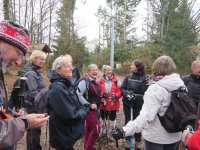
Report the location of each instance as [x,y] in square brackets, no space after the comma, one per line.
[192,82]
[66,113]
[14,43]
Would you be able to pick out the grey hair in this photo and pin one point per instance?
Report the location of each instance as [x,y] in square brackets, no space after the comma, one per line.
[106,66]
[92,66]
[60,61]
[163,65]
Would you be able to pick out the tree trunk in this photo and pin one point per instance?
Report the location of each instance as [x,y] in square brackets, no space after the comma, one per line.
[6,6]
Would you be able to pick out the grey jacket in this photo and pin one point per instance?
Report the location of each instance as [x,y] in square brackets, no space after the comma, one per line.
[35,82]
[35,79]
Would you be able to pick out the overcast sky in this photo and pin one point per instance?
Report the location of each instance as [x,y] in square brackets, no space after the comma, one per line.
[87,23]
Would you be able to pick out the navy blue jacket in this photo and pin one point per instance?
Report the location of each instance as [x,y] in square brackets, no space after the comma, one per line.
[66,114]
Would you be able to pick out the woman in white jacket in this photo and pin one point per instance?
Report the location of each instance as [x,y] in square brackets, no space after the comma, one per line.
[156,101]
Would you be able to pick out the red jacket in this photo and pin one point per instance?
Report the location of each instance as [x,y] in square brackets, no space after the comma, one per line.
[193,142]
[110,104]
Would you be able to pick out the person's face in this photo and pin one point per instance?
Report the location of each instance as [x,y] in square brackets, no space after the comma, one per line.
[108,71]
[12,56]
[133,68]
[39,61]
[196,69]
[66,70]
[93,71]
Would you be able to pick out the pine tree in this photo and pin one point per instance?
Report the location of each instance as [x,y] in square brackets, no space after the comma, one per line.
[64,26]
[175,30]
[67,41]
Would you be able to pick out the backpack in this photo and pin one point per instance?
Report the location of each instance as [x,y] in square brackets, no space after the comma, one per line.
[181,111]
[76,83]
[41,99]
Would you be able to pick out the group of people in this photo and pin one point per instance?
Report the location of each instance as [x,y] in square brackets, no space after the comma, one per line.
[81,106]
[156,101]
[75,105]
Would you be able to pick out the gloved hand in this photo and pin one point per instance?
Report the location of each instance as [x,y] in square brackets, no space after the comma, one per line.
[86,107]
[118,133]
[130,96]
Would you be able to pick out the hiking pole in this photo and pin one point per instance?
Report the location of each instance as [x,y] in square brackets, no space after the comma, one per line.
[116,140]
[131,139]
[116,143]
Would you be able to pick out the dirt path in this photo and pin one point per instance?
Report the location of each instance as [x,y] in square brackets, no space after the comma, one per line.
[102,145]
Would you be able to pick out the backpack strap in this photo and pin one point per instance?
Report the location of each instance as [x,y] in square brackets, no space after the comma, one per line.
[87,84]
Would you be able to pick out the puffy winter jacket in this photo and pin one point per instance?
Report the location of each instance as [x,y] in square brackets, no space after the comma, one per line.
[66,113]
[113,95]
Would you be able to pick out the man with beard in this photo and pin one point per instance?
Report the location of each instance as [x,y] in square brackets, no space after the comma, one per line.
[14,43]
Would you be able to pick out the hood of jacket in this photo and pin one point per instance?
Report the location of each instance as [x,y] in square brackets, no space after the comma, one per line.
[171,82]
[55,77]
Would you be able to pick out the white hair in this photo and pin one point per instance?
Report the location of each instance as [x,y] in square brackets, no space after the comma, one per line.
[105,67]
[60,61]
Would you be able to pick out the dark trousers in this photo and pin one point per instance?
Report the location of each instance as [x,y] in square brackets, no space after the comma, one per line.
[154,146]
[33,139]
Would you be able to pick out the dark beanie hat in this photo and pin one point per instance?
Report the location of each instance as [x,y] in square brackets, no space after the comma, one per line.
[15,35]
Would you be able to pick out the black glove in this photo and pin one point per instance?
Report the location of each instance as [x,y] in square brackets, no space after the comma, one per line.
[118,133]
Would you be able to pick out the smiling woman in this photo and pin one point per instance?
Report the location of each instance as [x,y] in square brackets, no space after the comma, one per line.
[63,66]
[66,114]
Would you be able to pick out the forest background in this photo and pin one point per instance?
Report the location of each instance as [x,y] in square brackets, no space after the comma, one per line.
[172,27]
